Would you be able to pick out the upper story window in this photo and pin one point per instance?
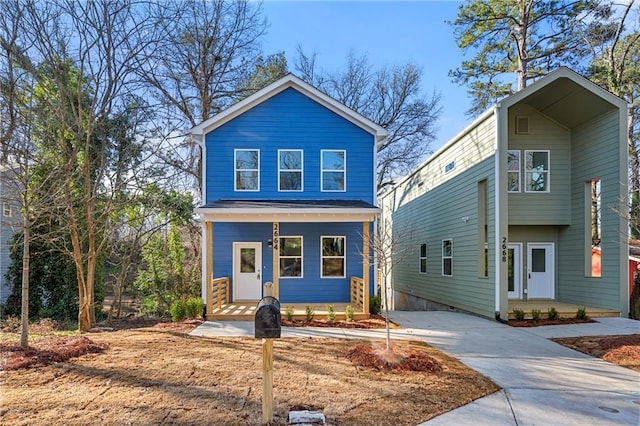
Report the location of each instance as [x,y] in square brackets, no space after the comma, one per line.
[247,170]
[447,258]
[290,164]
[291,257]
[423,258]
[333,175]
[536,171]
[6,209]
[332,257]
[513,171]
[450,166]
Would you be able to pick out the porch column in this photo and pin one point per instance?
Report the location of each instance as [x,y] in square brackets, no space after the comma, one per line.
[208,260]
[276,260]
[365,264]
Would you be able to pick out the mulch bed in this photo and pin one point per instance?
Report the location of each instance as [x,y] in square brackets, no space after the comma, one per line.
[396,358]
[543,322]
[375,322]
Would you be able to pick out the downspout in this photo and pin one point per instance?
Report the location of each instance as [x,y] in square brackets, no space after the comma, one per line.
[497,214]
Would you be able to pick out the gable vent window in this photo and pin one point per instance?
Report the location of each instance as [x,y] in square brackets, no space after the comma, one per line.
[522,125]
[449,167]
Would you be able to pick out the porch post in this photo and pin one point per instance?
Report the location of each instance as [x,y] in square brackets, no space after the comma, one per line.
[276,260]
[208,253]
[365,265]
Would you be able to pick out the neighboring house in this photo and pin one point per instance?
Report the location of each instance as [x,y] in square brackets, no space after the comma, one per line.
[504,210]
[10,222]
[634,262]
[288,196]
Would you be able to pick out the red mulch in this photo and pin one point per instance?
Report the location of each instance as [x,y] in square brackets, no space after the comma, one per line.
[397,358]
[542,322]
[375,322]
[45,351]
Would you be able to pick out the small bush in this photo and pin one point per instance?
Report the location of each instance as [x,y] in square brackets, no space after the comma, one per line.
[375,305]
[194,306]
[309,312]
[288,313]
[348,313]
[178,310]
[535,314]
[331,313]
[518,314]
[149,307]
[582,314]
[552,314]
[11,324]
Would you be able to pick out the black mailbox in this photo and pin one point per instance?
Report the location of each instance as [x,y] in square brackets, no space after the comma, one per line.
[267,321]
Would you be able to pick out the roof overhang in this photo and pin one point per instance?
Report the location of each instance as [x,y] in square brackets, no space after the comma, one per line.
[289,81]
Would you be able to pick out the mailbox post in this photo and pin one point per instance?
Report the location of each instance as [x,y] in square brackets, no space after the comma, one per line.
[267,327]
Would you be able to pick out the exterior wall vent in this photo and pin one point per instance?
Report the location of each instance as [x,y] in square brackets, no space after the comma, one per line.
[522,125]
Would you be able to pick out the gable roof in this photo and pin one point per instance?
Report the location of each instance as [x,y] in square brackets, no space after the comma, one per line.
[289,81]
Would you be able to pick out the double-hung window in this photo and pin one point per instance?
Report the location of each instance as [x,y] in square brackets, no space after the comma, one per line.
[333,175]
[247,169]
[290,166]
[536,171]
[423,258]
[513,171]
[291,257]
[447,258]
[6,209]
[332,253]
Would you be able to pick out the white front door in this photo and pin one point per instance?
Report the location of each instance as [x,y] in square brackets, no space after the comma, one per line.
[247,271]
[540,271]
[515,270]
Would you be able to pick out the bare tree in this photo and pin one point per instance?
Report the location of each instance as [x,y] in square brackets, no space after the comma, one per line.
[389,96]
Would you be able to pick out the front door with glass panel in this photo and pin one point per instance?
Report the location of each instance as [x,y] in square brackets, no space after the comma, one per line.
[247,267]
[515,270]
[540,271]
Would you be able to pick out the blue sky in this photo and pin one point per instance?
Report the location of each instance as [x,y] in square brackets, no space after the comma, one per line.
[389,32]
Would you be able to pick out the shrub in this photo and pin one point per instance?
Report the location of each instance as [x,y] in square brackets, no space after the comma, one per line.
[194,306]
[553,314]
[375,305]
[535,314]
[582,314]
[518,314]
[149,306]
[309,312]
[11,324]
[348,313]
[331,313]
[288,313]
[178,310]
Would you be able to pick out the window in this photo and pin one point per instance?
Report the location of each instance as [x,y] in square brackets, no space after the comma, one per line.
[6,209]
[522,125]
[536,171]
[447,258]
[290,163]
[247,170]
[513,171]
[423,258]
[450,166]
[332,257]
[291,257]
[333,170]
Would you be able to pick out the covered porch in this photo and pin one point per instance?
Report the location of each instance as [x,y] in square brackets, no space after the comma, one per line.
[566,310]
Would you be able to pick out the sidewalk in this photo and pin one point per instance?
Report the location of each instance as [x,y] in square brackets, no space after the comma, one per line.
[542,382]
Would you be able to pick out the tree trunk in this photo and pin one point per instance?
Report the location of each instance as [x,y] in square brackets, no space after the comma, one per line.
[24,321]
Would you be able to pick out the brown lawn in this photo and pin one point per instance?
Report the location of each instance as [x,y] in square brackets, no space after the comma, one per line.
[160,375]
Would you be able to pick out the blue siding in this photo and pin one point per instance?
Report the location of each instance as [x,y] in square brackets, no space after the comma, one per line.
[289,120]
[309,289]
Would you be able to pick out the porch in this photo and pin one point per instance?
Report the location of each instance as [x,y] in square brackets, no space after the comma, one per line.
[566,310]
[219,307]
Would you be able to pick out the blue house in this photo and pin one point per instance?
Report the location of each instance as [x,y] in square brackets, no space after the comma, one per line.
[289,197]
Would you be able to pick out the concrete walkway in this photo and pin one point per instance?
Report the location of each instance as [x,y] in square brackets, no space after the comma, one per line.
[542,383]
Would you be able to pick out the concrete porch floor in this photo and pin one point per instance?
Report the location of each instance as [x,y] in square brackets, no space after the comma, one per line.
[566,310]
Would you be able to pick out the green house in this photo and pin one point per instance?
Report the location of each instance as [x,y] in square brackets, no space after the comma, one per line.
[513,207]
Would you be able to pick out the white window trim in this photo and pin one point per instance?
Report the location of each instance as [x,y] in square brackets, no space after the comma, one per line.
[447,257]
[301,170]
[6,209]
[236,170]
[344,256]
[322,170]
[513,171]
[291,257]
[421,258]
[526,171]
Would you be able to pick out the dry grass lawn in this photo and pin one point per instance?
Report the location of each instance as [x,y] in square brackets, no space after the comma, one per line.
[160,375]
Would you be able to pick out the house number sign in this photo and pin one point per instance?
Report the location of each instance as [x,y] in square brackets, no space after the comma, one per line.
[276,236]
[504,249]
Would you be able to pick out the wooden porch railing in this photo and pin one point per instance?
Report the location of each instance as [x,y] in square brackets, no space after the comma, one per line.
[359,294]
[219,291]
